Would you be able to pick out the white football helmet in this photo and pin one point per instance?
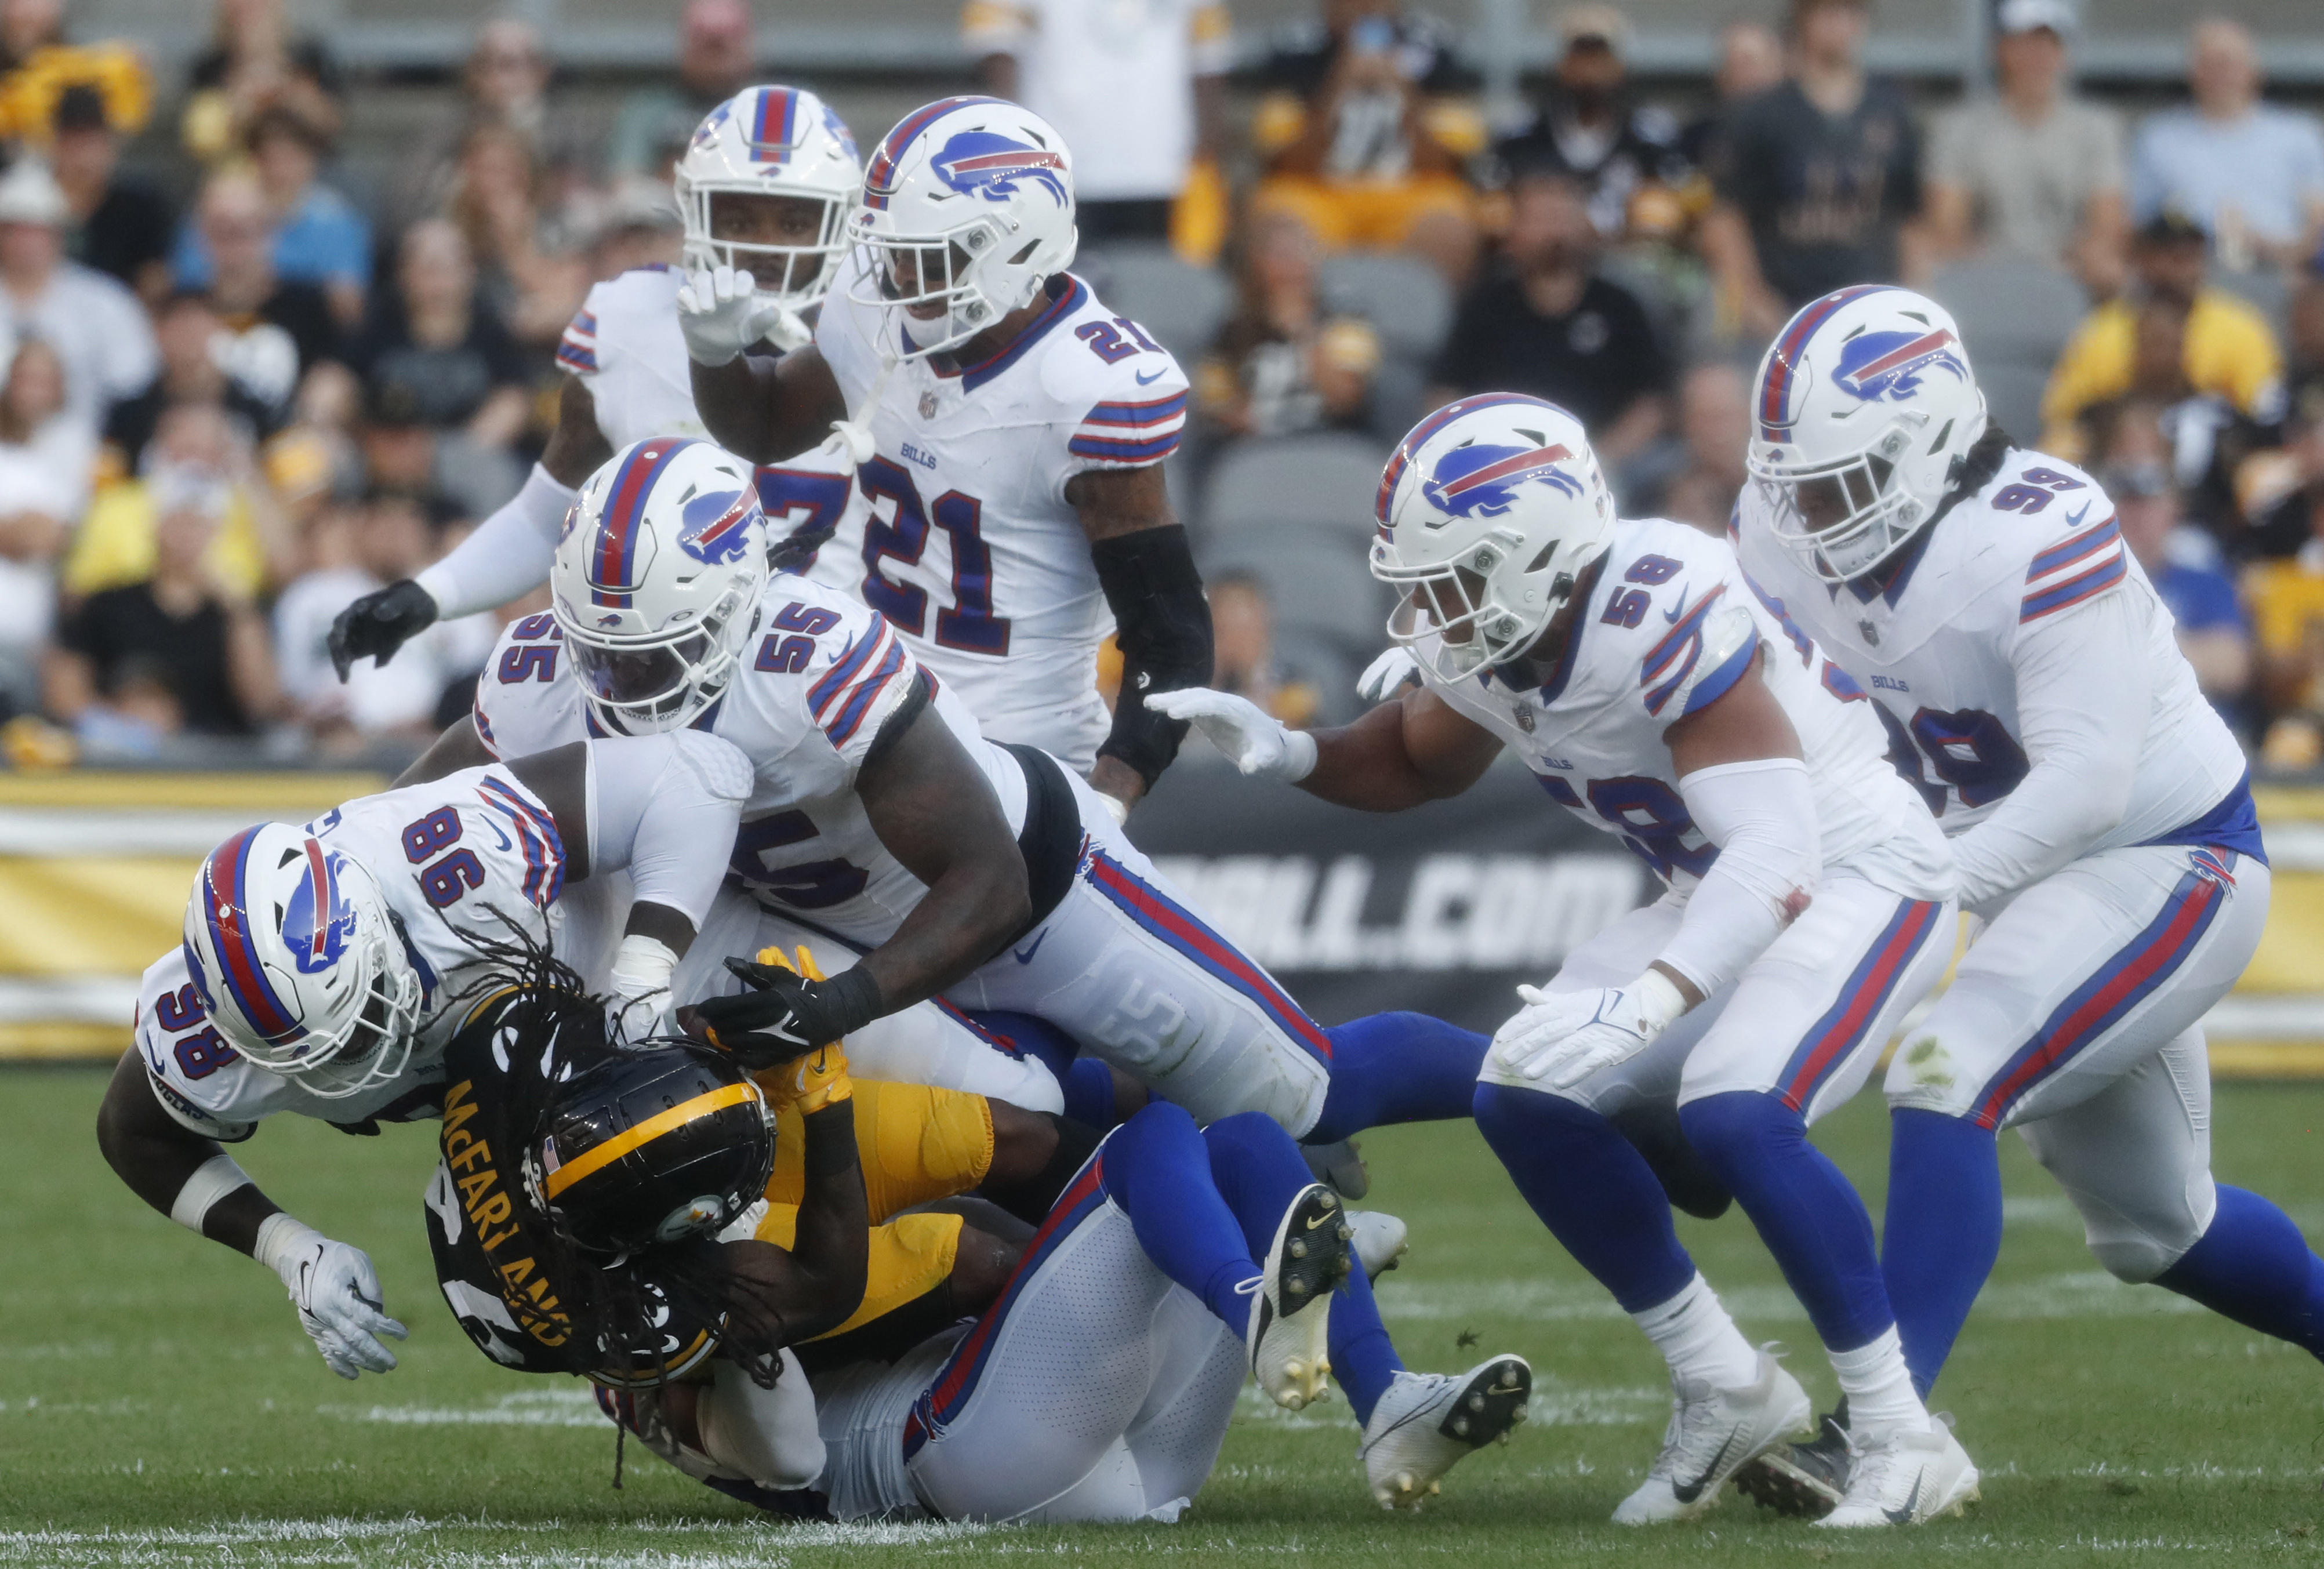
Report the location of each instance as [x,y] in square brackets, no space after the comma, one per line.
[1489,514]
[656,580]
[771,141]
[1862,419]
[299,964]
[968,211]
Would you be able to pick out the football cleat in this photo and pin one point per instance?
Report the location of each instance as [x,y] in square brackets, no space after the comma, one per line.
[1425,1423]
[1805,1480]
[1713,1434]
[1903,1478]
[1380,1242]
[1340,1163]
[1291,1309]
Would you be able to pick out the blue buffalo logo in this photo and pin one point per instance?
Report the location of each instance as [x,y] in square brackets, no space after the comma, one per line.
[840,133]
[715,529]
[706,133]
[1481,481]
[988,164]
[1889,365]
[319,919]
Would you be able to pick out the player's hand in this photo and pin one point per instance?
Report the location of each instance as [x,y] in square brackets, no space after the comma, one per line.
[722,313]
[1253,739]
[1385,675]
[379,623]
[787,1012]
[339,1303]
[1564,1037]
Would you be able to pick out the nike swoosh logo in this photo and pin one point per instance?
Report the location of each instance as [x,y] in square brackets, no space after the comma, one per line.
[1687,1493]
[1905,1516]
[507,844]
[1319,1220]
[1146,380]
[1675,610]
[1025,956]
[2074,519]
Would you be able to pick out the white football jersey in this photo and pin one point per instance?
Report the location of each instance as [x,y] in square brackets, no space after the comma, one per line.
[1936,646]
[820,676]
[626,345]
[450,857]
[965,541]
[1671,626]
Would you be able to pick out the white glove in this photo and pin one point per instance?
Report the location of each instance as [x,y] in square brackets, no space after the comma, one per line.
[722,313]
[1254,740]
[336,1292]
[1564,1037]
[1384,674]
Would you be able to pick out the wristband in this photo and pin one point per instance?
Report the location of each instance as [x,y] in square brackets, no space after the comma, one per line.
[830,1148]
[212,1180]
[1298,756]
[279,1234]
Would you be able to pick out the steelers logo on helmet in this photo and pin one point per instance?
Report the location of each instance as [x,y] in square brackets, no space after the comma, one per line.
[656,584]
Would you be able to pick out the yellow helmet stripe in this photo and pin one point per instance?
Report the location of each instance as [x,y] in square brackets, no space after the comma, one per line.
[645,1133]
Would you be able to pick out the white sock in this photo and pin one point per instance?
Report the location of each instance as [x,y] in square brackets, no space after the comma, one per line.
[1879,1387]
[1696,1337]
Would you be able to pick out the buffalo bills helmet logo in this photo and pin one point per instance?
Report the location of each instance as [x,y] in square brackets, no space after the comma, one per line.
[841,134]
[318,919]
[988,164]
[1481,480]
[707,131]
[715,529]
[1875,366]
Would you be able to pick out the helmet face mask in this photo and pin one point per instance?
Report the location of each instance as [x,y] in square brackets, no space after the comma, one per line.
[648,686]
[765,187]
[790,245]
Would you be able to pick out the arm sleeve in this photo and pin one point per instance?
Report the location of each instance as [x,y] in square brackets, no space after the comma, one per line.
[667,806]
[2085,690]
[1762,815]
[509,554]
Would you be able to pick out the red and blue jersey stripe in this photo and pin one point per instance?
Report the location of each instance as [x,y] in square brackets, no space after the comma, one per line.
[879,175]
[536,834]
[1182,930]
[2134,973]
[851,688]
[1776,388]
[229,922]
[1862,997]
[1670,661]
[2066,575]
[1131,432]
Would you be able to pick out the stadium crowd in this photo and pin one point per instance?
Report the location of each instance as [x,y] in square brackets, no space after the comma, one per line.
[243,388]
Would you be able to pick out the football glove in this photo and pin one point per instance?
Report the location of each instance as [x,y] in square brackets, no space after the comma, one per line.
[722,314]
[1385,676]
[336,1292]
[379,623]
[1253,739]
[787,1012]
[1564,1037]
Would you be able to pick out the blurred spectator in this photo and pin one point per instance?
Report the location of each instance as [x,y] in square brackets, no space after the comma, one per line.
[1817,179]
[183,648]
[433,335]
[1281,366]
[1242,628]
[637,229]
[252,63]
[1624,156]
[44,477]
[317,235]
[402,451]
[2032,171]
[530,273]
[1750,62]
[1137,91]
[117,222]
[2224,349]
[1549,325]
[1696,477]
[191,338]
[2185,565]
[1362,136]
[2251,173]
[278,331]
[2286,595]
[2303,376]
[505,83]
[360,549]
[2293,524]
[95,325]
[38,68]
[715,57]
[195,451]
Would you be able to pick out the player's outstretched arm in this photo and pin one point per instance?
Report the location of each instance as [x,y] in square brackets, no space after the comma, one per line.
[1162,622]
[194,1182]
[784,1297]
[762,409]
[1411,750]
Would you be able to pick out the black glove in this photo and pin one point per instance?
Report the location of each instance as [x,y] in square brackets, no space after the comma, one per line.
[785,1016]
[379,623]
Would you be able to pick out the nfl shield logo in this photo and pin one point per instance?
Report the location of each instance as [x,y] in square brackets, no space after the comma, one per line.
[1871,633]
[928,405]
[1523,714]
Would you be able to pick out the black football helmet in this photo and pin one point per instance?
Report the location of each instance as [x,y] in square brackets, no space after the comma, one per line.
[650,1146]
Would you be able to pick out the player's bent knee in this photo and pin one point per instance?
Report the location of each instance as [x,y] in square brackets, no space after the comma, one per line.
[2137,1258]
[1023,1143]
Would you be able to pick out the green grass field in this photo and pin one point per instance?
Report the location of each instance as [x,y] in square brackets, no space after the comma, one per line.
[159,1405]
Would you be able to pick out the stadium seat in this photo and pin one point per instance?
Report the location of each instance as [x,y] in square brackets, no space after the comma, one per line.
[1326,480]
[2012,396]
[1317,580]
[1180,305]
[1405,299]
[2011,310]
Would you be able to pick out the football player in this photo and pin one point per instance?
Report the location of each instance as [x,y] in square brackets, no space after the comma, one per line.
[763,189]
[326,965]
[2099,811]
[1010,430]
[882,819]
[1809,905]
